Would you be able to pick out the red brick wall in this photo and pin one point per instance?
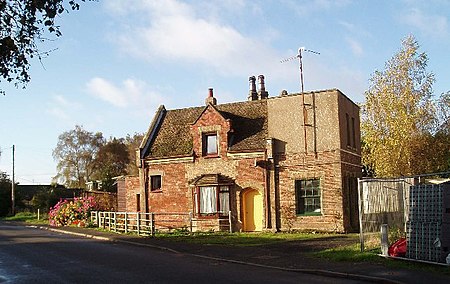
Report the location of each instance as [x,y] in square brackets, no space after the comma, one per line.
[133,187]
[121,195]
[174,195]
[327,168]
[351,171]
[211,121]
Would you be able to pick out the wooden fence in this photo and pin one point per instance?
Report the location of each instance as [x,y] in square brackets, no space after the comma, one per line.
[150,223]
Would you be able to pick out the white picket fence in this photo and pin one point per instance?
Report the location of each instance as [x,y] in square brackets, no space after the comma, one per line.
[148,223]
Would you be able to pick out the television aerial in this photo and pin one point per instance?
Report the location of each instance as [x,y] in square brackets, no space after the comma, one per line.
[299,56]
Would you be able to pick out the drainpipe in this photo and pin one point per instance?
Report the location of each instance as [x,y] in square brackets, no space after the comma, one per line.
[269,180]
[267,192]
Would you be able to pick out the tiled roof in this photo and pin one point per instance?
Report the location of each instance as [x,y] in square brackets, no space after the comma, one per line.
[248,120]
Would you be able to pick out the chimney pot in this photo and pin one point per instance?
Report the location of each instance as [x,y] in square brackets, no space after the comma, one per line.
[262,93]
[210,99]
[252,94]
[262,86]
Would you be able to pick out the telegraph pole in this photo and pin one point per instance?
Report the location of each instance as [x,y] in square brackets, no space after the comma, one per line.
[13,203]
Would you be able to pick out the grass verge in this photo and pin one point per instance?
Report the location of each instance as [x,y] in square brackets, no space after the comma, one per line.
[28,217]
[353,253]
[349,253]
[239,239]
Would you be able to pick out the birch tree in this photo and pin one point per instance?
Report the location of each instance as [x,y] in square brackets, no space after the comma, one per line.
[75,153]
[398,113]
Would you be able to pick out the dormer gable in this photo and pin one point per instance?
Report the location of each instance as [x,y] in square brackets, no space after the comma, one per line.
[210,132]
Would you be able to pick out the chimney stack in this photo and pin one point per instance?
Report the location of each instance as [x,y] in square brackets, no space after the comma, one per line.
[252,94]
[262,93]
[211,99]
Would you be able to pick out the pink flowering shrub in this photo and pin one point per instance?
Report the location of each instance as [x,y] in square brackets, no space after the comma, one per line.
[72,212]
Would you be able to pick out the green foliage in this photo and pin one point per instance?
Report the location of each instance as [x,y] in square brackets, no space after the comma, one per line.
[48,197]
[395,234]
[5,194]
[23,25]
[111,161]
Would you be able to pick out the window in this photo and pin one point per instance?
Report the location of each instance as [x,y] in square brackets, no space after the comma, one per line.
[155,182]
[210,144]
[308,197]
[213,200]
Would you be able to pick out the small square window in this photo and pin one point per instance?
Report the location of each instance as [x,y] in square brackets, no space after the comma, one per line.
[155,182]
[210,144]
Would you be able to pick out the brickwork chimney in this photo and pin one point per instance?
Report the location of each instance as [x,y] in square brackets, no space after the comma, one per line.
[252,94]
[210,99]
[262,93]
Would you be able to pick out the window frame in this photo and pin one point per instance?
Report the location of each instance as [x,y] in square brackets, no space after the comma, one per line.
[206,144]
[303,200]
[219,189]
[151,181]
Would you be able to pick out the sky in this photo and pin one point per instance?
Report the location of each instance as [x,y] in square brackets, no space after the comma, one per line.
[118,60]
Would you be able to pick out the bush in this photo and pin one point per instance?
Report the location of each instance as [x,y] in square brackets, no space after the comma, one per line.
[72,212]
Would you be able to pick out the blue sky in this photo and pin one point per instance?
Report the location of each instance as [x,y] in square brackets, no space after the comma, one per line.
[118,60]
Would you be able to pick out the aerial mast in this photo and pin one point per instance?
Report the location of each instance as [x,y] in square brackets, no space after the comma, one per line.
[305,114]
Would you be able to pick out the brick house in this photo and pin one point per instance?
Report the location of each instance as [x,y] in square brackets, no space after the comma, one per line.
[279,163]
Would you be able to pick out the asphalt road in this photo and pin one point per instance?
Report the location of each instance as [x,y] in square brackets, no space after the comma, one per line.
[30,255]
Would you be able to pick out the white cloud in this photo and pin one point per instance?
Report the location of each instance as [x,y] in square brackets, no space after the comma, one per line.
[174,32]
[180,33]
[356,30]
[130,93]
[432,25]
[306,8]
[106,91]
[355,47]
[61,107]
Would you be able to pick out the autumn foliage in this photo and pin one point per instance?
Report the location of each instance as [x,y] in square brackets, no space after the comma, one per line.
[401,127]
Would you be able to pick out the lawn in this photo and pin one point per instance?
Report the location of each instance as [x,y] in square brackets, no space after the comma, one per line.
[27,217]
[242,239]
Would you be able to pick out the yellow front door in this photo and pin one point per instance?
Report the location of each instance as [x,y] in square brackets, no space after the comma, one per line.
[253,211]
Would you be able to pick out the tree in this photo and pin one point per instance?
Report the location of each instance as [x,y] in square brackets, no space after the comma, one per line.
[398,115]
[133,142]
[5,194]
[23,25]
[75,153]
[112,160]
